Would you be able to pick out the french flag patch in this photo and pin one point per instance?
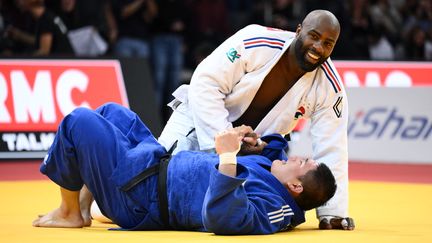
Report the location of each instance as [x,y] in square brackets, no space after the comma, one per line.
[264,42]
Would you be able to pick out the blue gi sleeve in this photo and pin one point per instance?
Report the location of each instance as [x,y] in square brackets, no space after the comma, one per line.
[229,209]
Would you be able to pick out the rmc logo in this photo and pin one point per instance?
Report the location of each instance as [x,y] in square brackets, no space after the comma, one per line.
[390,123]
[37,103]
[36,95]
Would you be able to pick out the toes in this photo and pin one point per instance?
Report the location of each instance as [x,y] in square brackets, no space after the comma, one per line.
[35,222]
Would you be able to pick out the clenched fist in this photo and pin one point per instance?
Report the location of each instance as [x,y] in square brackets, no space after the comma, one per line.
[228,141]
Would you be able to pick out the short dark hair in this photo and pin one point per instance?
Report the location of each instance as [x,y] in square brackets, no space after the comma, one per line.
[318,187]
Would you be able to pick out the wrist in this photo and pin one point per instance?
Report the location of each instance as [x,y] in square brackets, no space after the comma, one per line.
[229,158]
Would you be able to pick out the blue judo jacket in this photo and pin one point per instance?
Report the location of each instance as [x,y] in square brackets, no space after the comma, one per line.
[105,148]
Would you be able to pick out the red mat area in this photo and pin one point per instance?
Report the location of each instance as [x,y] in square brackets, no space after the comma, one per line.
[411,173]
[20,170]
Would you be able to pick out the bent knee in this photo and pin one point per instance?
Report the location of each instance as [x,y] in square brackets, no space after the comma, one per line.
[82,114]
[107,107]
[79,118]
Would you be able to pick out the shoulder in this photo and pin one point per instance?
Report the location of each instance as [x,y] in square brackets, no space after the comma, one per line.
[261,44]
[255,32]
[267,31]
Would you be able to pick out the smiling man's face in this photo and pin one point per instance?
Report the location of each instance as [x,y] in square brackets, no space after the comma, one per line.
[316,38]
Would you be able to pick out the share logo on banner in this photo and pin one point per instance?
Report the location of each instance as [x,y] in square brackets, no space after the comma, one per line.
[35,95]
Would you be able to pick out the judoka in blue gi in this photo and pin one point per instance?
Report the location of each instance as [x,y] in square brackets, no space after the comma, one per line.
[139,187]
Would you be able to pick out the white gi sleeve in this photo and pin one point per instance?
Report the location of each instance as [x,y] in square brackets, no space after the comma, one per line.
[329,124]
[213,80]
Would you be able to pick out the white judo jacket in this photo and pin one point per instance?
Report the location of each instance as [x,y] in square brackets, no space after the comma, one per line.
[224,84]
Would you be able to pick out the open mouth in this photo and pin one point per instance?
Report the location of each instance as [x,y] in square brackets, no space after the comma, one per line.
[313,58]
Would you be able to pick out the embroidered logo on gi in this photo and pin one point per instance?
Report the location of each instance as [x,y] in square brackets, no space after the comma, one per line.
[299,113]
[232,55]
[337,107]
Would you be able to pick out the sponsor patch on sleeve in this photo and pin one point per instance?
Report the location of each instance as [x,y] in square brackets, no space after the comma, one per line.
[232,55]
[337,107]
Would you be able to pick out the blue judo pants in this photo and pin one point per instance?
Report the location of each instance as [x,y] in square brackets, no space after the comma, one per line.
[87,149]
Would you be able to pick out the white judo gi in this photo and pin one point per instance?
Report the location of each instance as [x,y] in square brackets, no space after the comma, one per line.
[225,83]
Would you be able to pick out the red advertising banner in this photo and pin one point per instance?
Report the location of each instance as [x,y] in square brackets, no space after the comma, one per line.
[36,94]
[384,74]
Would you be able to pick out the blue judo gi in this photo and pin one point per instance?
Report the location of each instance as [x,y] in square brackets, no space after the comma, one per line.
[105,148]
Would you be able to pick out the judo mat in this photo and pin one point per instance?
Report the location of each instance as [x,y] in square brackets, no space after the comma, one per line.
[386,208]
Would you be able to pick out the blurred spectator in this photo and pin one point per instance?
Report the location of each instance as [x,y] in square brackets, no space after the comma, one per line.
[260,13]
[91,25]
[134,18]
[417,47]
[213,20]
[1,18]
[167,50]
[387,17]
[210,21]
[96,13]
[287,14]
[359,29]
[18,32]
[380,47]
[238,13]
[50,33]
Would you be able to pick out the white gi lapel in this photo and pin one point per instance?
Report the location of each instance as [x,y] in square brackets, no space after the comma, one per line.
[281,116]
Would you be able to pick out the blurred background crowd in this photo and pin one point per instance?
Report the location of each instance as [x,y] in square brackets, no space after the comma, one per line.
[176,35]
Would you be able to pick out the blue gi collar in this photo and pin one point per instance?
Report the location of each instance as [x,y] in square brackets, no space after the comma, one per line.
[264,164]
[276,147]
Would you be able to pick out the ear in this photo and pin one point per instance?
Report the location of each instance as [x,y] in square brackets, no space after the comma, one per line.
[298,30]
[295,188]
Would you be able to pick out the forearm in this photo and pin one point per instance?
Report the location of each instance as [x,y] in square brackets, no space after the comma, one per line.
[151,11]
[111,22]
[44,48]
[131,8]
[23,37]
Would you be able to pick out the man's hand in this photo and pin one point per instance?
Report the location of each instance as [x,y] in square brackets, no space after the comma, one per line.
[228,141]
[251,144]
[337,223]
[227,145]
[252,148]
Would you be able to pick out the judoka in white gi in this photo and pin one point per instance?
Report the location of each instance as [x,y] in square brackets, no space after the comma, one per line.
[114,154]
[269,79]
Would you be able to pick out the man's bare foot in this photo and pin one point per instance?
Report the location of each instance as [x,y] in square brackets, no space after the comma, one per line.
[59,219]
[86,199]
[87,218]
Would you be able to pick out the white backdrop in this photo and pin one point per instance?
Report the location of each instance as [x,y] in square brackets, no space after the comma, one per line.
[385,124]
